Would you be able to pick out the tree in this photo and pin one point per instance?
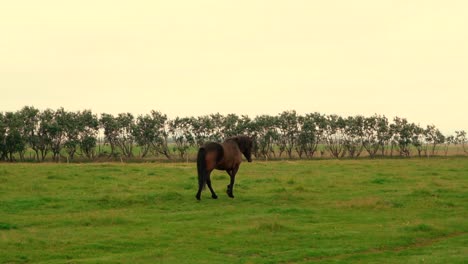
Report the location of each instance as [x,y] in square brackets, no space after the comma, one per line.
[144,133]
[433,137]
[426,139]
[13,140]
[180,129]
[448,141]
[57,131]
[111,131]
[3,135]
[384,133]
[203,129]
[403,132]
[288,131]
[71,127]
[264,129]
[217,123]
[419,140]
[309,135]
[353,134]
[151,135]
[460,139]
[232,126]
[125,136]
[31,125]
[375,134]
[75,133]
[87,133]
[43,138]
[334,135]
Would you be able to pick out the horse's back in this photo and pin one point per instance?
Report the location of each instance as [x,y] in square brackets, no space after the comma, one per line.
[210,154]
[232,156]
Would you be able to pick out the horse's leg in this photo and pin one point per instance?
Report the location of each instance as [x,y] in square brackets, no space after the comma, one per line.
[228,190]
[205,165]
[232,173]
[199,192]
[205,176]
[208,182]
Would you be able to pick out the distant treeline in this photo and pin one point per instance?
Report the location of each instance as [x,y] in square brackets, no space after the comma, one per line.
[60,134]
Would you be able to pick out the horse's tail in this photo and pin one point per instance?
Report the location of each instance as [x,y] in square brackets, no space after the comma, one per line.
[201,167]
[201,161]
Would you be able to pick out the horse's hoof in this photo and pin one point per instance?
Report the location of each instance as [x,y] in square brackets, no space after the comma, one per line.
[198,197]
[230,195]
[214,196]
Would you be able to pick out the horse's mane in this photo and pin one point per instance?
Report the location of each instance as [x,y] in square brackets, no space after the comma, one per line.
[243,141]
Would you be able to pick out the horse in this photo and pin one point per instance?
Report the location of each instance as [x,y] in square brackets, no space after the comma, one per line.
[226,156]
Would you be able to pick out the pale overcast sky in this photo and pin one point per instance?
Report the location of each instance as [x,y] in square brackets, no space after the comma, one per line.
[185,58]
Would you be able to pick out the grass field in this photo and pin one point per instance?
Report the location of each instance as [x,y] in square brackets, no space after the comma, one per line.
[321,211]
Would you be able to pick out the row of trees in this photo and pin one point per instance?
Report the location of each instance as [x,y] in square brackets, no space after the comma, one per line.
[64,134]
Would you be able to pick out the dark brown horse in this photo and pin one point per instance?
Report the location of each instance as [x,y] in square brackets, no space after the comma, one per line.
[226,156]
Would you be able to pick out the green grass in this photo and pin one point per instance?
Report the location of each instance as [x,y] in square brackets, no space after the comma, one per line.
[321,211]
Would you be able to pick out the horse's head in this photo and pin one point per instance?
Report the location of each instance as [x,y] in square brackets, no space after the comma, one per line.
[245,145]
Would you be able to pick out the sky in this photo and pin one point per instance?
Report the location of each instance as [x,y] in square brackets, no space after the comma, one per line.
[191,58]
